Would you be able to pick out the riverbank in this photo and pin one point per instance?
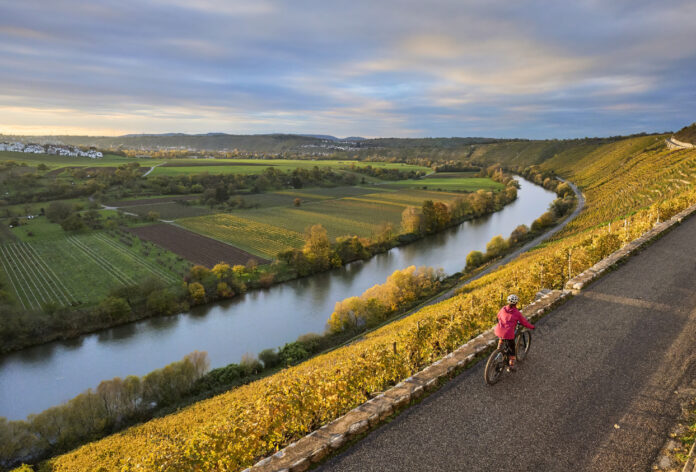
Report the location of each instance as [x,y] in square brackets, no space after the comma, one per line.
[258,320]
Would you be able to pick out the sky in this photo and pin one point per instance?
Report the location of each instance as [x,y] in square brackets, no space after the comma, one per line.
[400,68]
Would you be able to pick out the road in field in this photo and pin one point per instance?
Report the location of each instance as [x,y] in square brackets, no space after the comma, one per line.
[598,392]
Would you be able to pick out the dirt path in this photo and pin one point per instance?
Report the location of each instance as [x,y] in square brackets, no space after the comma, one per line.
[600,389]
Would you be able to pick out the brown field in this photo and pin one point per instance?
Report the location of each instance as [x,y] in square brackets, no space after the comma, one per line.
[193,247]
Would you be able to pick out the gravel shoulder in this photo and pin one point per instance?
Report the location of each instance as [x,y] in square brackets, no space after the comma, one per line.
[599,390]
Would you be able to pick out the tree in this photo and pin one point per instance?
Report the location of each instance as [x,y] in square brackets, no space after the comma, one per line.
[222,271]
[58,211]
[72,223]
[162,302]
[115,308]
[430,220]
[411,220]
[544,221]
[317,247]
[269,357]
[474,259]
[496,246]
[297,202]
[197,292]
[519,234]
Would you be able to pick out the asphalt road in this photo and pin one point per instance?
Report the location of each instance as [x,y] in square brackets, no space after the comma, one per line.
[598,392]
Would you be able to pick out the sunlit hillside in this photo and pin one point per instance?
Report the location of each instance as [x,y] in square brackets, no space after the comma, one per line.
[637,180]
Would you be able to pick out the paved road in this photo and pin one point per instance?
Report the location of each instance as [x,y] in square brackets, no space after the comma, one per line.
[598,392]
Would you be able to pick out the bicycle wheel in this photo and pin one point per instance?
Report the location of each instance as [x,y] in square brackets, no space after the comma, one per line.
[494,367]
[522,344]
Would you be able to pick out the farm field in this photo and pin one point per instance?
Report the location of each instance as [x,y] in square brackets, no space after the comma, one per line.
[149,201]
[82,269]
[168,210]
[260,239]
[449,183]
[193,247]
[257,166]
[109,160]
[267,231]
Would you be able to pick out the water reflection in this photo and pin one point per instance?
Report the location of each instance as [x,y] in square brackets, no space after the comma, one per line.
[37,378]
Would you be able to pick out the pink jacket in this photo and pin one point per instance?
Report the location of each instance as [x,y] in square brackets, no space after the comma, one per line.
[508,316]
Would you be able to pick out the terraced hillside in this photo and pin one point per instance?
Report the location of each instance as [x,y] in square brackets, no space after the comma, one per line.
[629,184]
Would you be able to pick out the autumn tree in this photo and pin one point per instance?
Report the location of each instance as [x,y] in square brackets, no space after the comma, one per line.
[496,246]
[411,220]
[474,259]
[317,247]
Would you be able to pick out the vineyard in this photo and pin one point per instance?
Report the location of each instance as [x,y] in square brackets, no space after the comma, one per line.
[192,246]
[256,238]
[74,270]
[357,211]
[233,430]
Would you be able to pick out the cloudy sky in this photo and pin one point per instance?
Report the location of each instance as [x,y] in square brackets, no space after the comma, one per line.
[533,69]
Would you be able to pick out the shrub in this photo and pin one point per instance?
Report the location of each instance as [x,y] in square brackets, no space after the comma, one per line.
[269,357]
[496,246]
[250,364]
[474,259]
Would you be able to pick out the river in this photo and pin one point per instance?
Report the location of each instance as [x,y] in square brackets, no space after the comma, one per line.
[37,378]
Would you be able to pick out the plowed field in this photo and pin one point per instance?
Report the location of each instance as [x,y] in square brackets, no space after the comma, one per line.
[193,247]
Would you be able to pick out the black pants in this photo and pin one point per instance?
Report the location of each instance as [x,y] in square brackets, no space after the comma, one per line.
[509,346]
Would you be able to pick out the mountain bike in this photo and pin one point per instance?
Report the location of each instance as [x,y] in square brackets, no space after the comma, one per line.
[500,357]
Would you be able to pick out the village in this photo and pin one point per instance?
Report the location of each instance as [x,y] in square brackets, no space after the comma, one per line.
[53,149]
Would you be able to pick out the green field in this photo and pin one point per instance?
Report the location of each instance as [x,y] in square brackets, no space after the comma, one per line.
[257,166]
[109,160]
[43,264]
[168,211]
[82,269]
[462,184]
[351,211]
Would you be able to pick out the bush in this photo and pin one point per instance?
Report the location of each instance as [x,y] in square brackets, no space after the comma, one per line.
[474,259]
[269,357]
[293,353]
[162,302]
[496,246]
[250,364]
[544,221]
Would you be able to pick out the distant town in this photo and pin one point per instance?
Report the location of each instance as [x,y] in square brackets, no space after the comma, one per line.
[57,150]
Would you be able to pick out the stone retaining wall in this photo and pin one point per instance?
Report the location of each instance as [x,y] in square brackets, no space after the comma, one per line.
[313,448]
[676,144]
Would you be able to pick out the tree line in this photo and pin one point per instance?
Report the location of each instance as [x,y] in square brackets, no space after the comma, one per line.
[95,413]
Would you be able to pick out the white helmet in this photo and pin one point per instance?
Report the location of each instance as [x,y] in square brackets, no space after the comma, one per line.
[513,299]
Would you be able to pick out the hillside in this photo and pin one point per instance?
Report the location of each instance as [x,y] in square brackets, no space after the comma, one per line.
[644,183]
[687,134]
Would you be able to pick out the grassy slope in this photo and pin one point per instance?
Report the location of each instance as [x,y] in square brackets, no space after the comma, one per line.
[687,134]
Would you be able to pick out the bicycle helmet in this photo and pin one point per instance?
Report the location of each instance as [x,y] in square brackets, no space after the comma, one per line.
[513,299]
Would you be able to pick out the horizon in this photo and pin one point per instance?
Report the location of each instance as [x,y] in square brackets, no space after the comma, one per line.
[499,70]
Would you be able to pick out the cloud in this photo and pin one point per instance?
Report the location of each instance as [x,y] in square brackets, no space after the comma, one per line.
[398,68]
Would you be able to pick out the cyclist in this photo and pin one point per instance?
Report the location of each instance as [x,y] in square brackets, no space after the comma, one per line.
[508,317]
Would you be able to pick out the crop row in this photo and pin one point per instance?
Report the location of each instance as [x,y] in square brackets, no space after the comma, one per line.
[258,238]
[34,283]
